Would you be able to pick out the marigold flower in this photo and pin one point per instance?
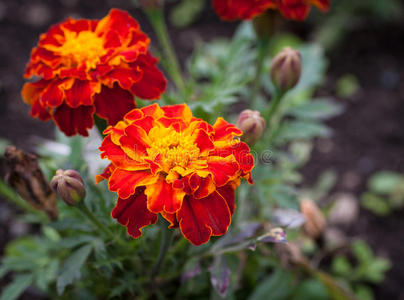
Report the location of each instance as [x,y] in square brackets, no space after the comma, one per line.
[88,67]
[165,161]
[298,10]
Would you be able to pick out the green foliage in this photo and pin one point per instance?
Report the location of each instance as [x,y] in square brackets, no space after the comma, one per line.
[184,13]
[347,86]
[364,268]
[385,194]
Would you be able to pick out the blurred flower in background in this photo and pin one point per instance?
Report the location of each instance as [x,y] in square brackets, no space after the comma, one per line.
[88,67]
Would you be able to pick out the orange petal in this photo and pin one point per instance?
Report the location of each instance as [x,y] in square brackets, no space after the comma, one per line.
[125,182]
[133,214]
[224,130]
[162,196]
[199,219]
[223,169]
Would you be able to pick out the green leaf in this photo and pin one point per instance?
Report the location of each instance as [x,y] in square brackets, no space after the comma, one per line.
[377,205]
[72,266]
[3,271]
[300,130]
[347,86]
[341,266]
[185,12]
[311,289]
[362,252]
[276,286]
[335,290]
[385,182]
[17,287]
[364,292]
[316,109]
[376,270]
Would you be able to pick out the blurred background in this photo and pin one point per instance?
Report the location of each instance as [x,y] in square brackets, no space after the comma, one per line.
[364,44]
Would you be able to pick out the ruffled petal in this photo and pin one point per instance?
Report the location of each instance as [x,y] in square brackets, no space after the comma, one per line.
[153,83]
[199,219]
[161,196]
[223,169]
[125,182]
[133,214]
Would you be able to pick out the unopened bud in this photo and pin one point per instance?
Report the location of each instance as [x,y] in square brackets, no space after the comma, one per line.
[151,4]
[286,69]
[69,186]
[252,125]
[315,222]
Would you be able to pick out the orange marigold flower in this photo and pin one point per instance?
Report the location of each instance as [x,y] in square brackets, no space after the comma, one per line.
[165,161]
[88,67]
[247,9]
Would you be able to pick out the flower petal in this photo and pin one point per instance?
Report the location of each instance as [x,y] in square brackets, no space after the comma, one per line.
[74,120]
[125,182]
[113,104]
[162,196]
[199,219]
[153,83]
[133,214]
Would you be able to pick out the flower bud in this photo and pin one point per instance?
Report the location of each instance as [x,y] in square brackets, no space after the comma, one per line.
[315,222]
[252,125]
[69,186]
[286,69]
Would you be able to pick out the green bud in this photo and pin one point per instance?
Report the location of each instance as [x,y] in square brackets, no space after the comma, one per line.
[252,125]
[286,69]
[69,186]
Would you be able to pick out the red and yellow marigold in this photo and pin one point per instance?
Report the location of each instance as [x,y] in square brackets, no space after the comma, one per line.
[165,161]
[247,9]
[88,67]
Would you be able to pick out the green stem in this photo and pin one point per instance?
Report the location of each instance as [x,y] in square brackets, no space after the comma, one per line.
[93,219]
[156,18]
[166,239]
[263,49]
[273,106]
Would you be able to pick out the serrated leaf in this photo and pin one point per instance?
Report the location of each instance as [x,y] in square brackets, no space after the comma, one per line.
[301,130]
[316,109]
[72,266]
[17,287]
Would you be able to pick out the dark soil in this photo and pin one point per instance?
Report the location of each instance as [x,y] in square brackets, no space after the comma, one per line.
[368,137]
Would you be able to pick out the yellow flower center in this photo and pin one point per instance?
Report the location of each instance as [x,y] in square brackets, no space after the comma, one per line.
[175,148]
[85,46]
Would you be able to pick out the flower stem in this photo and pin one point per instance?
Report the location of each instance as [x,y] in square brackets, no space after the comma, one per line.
[156,18]
[263,47]
[93,219]
[166,240]
[273,106]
